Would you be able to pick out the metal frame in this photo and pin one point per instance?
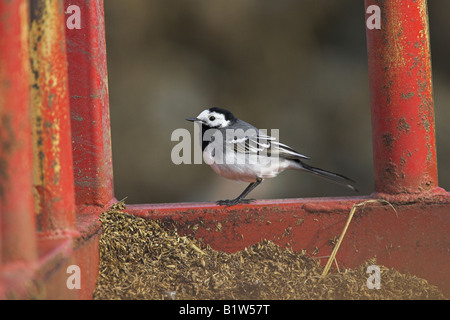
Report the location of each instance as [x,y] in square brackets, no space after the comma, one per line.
[55,181]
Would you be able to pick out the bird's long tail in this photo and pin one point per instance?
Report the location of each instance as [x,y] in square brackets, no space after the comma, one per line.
[335,177]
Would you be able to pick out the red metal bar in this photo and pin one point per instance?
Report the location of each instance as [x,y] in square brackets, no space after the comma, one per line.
[402,99]
[18,248]
[89,103]
[53,172]
[44,164]
[17,219]
[91,138]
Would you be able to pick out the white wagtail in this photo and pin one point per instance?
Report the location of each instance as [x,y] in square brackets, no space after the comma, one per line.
[238,151]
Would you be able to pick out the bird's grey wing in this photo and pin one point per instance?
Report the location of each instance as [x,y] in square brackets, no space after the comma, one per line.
[252,141]
[287,152]
[249,144]
[242,137]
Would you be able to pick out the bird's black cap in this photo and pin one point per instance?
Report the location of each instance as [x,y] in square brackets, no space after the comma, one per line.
[228,115]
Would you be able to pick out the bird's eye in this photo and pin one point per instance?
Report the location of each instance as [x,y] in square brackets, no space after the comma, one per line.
[212,118]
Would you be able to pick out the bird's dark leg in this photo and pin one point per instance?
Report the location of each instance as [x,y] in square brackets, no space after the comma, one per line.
[240,198]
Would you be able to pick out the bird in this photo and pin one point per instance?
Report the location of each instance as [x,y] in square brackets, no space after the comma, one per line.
[239,151]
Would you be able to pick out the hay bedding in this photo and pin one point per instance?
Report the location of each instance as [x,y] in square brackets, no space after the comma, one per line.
[143,259]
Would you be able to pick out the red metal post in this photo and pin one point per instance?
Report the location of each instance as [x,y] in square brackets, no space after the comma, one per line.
[17,220]
[90,123]
[40,239]
[53,171]
[89,103]
[402,98]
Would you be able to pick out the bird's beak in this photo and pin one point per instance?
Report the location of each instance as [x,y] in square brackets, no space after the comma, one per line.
[193,119]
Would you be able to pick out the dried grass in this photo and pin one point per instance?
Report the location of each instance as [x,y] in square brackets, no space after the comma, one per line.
[144,259]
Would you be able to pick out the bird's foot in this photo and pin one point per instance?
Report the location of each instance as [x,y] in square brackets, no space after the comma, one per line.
[233,202]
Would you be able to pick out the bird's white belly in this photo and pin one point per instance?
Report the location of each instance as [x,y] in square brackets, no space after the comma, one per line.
[242,168]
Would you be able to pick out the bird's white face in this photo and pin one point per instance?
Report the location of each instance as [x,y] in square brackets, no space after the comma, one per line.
[213,119]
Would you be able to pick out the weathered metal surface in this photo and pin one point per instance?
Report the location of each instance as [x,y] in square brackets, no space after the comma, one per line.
[17,219]
[89,105]
[91,138]
[36,152]
[402,99]
[53,170]
[56,258]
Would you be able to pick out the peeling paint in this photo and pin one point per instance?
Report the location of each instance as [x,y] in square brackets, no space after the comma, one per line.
[403,125]
[52,152]
[402,99]
[388,140]
[408,95]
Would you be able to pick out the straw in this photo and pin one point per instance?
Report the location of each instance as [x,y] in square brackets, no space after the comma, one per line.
[338,244]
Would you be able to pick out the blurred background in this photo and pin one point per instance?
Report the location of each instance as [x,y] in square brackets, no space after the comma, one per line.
[297,66]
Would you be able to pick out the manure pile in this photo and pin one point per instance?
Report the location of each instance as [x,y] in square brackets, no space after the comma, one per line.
[144,259]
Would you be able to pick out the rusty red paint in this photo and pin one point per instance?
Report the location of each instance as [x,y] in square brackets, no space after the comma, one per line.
[17,220]
[89,104]
[58,237]
[53,173]
[56,255]
[402,99]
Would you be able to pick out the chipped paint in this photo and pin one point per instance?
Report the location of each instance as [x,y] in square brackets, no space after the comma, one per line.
[408,95]
[403,125]
[402,99]
[17,220]
[52,172]
[90,107]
